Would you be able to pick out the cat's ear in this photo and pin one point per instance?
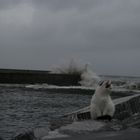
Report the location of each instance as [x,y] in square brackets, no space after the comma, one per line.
[108,84]
[100,83]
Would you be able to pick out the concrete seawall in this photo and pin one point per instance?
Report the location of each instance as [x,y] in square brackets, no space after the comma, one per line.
[124,108]
[35,76]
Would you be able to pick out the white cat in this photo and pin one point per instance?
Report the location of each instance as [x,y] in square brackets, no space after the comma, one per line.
[102,106]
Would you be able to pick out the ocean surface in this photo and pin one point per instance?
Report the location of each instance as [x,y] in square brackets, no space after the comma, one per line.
[25,107]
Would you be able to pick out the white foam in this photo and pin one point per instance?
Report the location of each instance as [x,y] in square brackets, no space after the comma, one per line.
[45,86]
[89,78]
[68,67]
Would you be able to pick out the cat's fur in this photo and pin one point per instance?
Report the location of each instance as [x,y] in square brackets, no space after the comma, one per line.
[101,103]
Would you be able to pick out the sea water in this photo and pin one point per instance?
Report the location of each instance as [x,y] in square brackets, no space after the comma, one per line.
[22,109]
[25,107]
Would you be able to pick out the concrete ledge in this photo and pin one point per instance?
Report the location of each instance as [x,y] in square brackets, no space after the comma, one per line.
[125,107]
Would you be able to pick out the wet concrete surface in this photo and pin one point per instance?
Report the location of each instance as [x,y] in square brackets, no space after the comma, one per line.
[128,134]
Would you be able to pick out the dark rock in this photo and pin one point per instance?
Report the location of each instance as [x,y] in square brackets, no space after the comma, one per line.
[25,136]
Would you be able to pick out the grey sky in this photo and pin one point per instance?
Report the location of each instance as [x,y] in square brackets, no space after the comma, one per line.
[36,34]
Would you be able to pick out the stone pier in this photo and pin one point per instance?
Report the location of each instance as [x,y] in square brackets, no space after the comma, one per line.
[124,108]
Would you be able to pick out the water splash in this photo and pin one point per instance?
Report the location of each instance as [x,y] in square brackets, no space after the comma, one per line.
[89,78]
[68,67]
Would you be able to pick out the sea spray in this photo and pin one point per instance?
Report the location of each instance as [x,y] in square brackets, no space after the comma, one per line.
[89,78]
[69,67]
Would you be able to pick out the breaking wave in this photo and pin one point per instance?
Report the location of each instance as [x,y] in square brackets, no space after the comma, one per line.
[70,67]
[88,77]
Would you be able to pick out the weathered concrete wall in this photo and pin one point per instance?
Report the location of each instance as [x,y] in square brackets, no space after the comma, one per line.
[124,108]
[127,106]
[33,76]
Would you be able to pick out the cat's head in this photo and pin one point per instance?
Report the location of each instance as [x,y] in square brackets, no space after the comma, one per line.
[104,87]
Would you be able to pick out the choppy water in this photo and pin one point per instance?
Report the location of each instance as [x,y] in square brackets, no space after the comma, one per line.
[23,108]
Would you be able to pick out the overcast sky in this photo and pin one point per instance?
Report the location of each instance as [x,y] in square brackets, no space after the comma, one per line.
[36,34]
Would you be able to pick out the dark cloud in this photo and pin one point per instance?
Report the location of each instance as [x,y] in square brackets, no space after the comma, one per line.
[37,33]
